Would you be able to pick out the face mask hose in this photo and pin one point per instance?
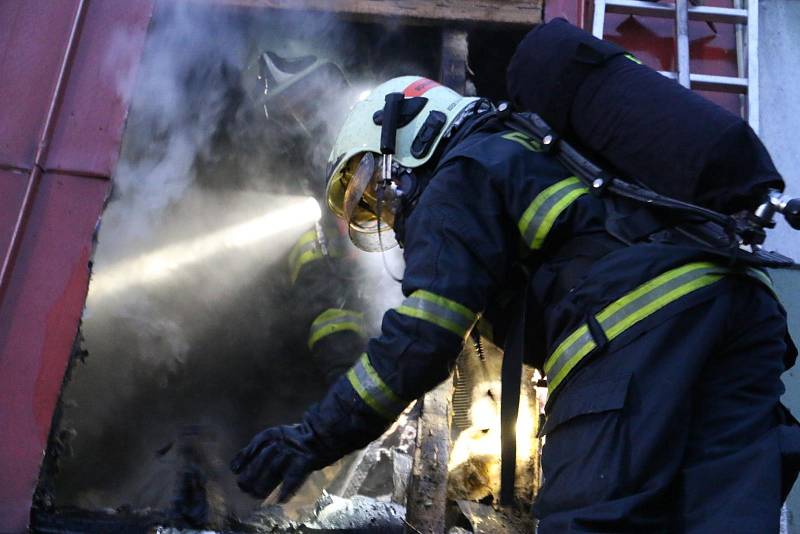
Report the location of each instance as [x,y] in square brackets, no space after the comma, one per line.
[390,121]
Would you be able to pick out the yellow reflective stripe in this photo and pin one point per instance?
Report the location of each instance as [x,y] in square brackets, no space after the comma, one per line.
[306,257]
[373,390]
[569,365]
[534,206]
[633,58]
[307,237]
[628,310]
[538,219]
[332,321]
[650,286]
[659,303]
[528,142]
[552,215]
[366,397]
[305,250]
[452,305]
[440,311]
[299,246]
[373,374]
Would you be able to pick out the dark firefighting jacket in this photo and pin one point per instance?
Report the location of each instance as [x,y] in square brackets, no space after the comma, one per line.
[325,301]
[498,202]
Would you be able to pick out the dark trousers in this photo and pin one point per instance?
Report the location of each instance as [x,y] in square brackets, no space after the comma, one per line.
[678,428]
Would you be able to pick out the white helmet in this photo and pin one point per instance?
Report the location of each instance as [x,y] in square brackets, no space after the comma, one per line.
[427,111]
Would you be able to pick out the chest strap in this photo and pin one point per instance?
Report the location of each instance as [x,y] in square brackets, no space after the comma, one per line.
[630,309]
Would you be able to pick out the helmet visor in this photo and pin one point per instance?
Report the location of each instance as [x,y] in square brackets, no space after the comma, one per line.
[369,205]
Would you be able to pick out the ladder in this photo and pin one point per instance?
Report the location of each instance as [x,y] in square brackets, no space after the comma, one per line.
[745,84]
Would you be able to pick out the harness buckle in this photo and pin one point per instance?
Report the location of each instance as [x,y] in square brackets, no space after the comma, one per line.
[599,184]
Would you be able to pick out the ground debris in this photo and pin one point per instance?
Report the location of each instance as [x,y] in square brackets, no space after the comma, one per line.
[485,519]
[334,512]
[271,518]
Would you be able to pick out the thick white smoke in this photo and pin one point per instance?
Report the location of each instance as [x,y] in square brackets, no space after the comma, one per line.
[190,319]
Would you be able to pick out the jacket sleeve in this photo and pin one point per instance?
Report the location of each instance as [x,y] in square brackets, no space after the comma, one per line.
[327,307]
[457,252]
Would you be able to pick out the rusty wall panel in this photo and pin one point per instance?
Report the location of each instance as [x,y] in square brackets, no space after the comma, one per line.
[40,312]
[38,323]
[32,44]
[89,129]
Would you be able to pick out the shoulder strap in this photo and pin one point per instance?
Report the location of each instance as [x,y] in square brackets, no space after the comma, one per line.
[511,374]
[730,231]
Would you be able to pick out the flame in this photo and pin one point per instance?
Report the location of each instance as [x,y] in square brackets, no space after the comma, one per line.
[483,437]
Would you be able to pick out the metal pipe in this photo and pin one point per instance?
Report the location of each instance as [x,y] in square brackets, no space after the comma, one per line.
[682,42]
[753,111]
[42,150]
[740,61]
[599,18]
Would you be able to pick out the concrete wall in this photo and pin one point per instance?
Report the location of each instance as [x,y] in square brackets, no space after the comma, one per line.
[779,56]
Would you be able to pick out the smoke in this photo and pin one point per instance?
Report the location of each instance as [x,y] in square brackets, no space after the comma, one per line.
[183,90]
[191,320]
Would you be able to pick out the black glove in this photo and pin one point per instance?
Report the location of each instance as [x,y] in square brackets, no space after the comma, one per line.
[339,424]
[287,453]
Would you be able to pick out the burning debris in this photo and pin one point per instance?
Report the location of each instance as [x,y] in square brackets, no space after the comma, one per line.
[474,466]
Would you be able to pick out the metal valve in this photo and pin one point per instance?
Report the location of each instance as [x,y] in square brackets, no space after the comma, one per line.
[777,202]
[791,212]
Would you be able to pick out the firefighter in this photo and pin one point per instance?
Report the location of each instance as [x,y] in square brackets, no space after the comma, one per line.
[323,294]
[663,364]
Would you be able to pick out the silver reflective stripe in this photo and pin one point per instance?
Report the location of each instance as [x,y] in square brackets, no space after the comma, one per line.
[582,340]
[334,320]
[440,311]
[540,216]
[628,310]
[528,142]
[373,390]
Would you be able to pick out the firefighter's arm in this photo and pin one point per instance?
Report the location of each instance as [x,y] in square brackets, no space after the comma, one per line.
[329,308]
[457,252]
[457,243]
[460,243]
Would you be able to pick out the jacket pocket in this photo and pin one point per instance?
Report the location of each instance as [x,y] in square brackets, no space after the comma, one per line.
[586,454]
[585,397]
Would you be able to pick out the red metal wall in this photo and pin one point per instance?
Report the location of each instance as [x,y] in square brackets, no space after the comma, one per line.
[652,41]
[42,304]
